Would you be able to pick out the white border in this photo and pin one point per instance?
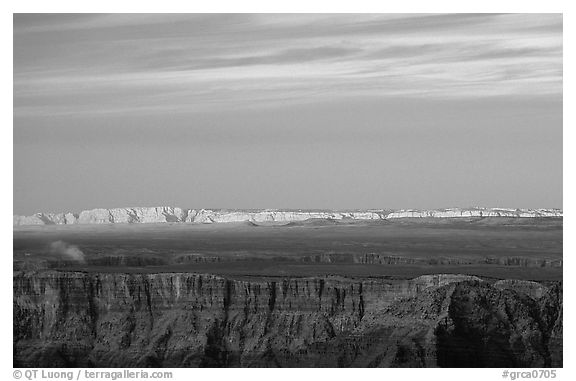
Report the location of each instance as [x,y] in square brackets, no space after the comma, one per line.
[244,6]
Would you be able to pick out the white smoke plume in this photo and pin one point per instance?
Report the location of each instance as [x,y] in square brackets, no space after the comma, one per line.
[67,250]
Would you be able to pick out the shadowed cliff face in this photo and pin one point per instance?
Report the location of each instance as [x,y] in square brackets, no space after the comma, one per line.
[64,319]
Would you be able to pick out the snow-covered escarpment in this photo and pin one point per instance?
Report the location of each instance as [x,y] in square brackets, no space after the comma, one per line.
[220,216]
[174,214]
[475,212]
[170,214]
[106,216]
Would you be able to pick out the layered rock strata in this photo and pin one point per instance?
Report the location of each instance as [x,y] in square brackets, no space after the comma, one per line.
[74,319]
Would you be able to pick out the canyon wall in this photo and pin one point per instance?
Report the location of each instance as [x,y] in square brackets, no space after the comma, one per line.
[76,319]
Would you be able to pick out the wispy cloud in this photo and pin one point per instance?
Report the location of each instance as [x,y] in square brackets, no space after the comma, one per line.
[78,65]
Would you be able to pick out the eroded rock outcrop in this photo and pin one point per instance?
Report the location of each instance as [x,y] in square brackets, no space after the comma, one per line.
[66,319]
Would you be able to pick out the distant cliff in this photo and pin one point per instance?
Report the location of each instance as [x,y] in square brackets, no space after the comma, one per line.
[174,214]
[73,319]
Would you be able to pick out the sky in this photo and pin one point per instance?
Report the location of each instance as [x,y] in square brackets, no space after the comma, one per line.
[323,111]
